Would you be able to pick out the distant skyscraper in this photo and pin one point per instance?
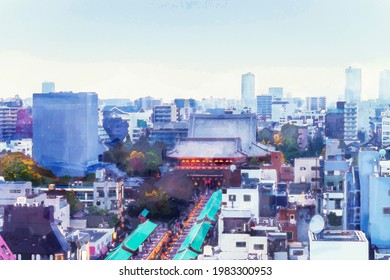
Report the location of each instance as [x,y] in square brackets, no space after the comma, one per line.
[384,85]
[65,131]
[48,87]
[353,84]
[248,89]
[276,93]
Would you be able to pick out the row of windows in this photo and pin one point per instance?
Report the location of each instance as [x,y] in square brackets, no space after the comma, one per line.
[15,191]
[312,168]
[242,244]
[246,197]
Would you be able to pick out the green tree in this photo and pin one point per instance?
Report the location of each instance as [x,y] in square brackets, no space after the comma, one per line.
[289,148]
[266,136]
[74,203]
[19,167]
[152,161]
[315,146]
[289,131]
[117,155]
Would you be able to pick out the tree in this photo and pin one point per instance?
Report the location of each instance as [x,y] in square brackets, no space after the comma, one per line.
[117,155]
[289,148]
[316,145]
[289,131]
[135,162]
[159,204]
[19,167]
[266,136]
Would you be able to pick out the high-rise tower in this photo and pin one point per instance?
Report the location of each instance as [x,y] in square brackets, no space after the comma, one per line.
[353,84]
[384,85]
[248,90]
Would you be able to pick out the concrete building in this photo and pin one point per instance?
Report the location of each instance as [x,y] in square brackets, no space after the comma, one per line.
[65,131]
[338,245]
[10,191]
[108,195]
[165,113]
[264,106]
[185,107]
[248,90]
[386,129]
[350,121]
[374,175]
[308,170]
[334,122]
[316,103]
[282,111]
[276,93]
[8,118]
[353,85]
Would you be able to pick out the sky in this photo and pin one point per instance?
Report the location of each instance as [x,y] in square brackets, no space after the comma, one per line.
[191,48]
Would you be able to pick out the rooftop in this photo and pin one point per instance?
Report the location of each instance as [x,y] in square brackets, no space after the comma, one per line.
[339,236]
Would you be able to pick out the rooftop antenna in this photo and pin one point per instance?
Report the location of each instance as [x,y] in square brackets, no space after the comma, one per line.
[317,224]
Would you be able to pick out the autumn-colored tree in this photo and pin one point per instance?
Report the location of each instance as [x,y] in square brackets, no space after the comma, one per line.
[159,204]
[19,167]
[136,162]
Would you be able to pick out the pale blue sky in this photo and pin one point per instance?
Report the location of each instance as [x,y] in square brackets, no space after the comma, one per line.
[191,48]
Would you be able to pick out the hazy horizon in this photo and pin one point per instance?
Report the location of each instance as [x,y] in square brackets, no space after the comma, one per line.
[188,48]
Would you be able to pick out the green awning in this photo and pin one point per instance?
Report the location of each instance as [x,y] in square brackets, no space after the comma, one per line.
[187,254]
[119,254]
[144,213]
[196,237]
[212,207]
[139,235]
[132,242]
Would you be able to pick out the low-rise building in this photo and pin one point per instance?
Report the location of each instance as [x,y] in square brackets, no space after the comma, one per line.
[338,245]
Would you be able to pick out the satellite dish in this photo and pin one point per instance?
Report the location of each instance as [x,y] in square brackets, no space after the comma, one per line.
[382,152]
[232,168]
[317,224]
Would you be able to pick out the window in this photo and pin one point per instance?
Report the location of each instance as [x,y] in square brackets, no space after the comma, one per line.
[386,210]
[247,197]
[14,191]
[298,253]
[258,246]
[240,244]
[290,235]
[112,193]
[232,197]
[388,193]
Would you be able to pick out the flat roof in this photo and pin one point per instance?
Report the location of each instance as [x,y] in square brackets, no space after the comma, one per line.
[339,236]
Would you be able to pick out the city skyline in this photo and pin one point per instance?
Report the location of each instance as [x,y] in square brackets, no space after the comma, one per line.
[191,48]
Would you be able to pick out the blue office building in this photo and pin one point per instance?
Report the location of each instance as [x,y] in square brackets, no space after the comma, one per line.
[65,131]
